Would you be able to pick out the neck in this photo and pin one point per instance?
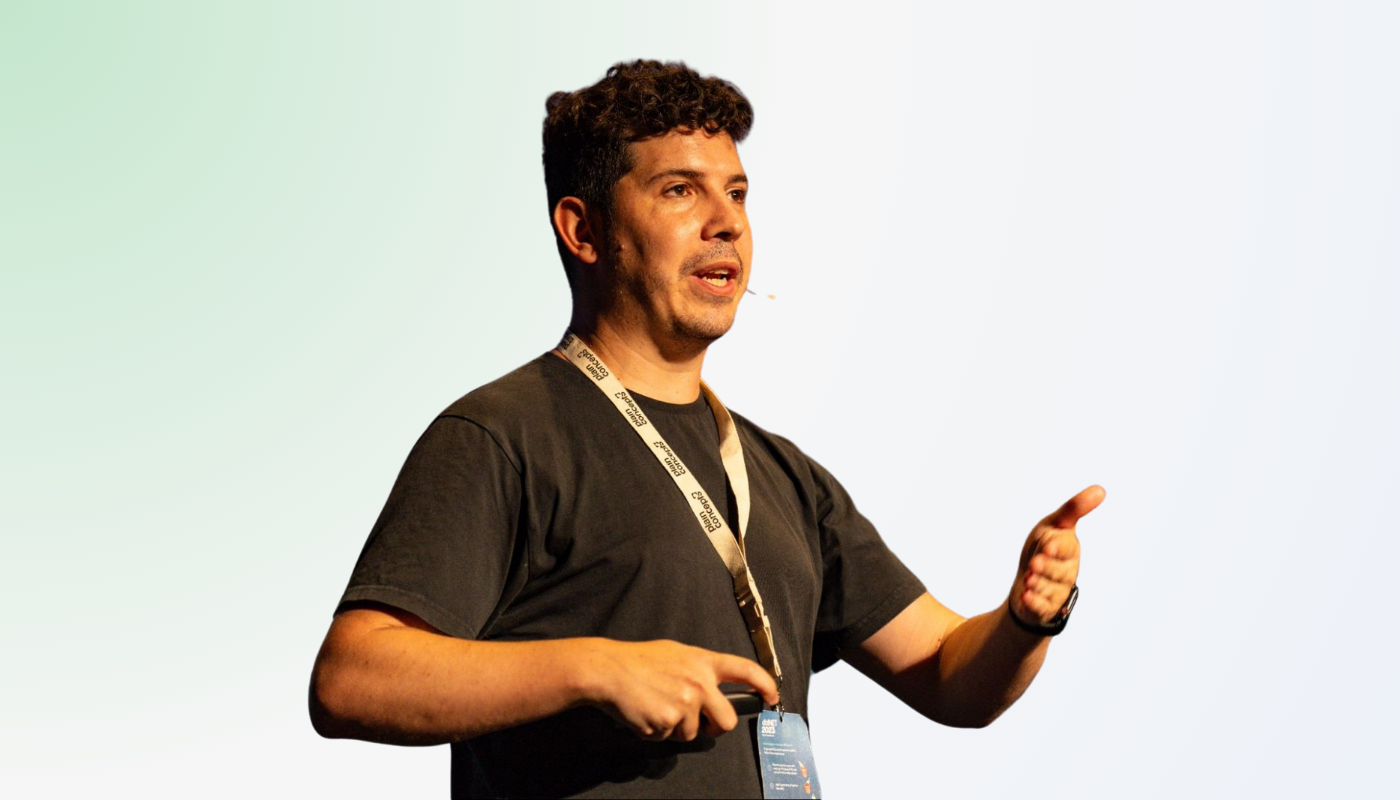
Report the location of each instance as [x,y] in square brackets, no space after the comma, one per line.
[652,369]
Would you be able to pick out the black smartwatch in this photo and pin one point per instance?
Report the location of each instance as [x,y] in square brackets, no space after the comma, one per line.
[1054,628]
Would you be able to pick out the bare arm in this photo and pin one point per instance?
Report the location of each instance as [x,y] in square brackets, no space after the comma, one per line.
[959,672]
[384,675]
[966,672]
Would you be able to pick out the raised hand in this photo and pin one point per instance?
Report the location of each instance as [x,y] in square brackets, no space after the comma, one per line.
[1050,561]
[667,690]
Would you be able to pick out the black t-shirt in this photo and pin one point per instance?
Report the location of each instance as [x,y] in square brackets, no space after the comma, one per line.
[530,510]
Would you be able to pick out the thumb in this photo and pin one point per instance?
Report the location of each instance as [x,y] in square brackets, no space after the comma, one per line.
[1076,507]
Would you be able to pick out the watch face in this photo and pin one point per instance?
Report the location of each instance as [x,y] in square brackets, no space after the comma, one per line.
[1069,604]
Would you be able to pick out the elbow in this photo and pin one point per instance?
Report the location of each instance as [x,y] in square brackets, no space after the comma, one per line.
[966,717]
[321,719]
[326,702]
[970,722]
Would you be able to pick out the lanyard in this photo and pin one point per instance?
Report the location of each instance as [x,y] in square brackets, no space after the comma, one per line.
[729,547]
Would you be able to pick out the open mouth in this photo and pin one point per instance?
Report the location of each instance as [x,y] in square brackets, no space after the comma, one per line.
[721,277]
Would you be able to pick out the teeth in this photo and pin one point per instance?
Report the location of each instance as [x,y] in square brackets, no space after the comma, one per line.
[717,280]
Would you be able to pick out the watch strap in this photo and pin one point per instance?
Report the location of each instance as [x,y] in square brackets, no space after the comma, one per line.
[1054,628]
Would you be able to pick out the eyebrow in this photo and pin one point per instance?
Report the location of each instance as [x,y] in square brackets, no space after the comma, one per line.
[694,175]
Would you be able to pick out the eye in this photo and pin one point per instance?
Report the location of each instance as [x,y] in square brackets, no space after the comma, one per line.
[739,195]
[679,190]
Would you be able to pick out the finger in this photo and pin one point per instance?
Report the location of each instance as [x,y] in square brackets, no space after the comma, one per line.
[1039,608]
[733,668]
[1059,543]
[688,727]
[663,724]
[686,702]
[1041,586]
[1052,592]
[651,732]
[1076,507]
[1055,569]
[719,716]
[636,724]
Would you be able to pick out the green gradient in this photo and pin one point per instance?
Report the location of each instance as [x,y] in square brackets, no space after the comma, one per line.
[248,250]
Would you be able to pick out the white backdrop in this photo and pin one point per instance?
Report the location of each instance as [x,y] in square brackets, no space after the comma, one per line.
[250,249]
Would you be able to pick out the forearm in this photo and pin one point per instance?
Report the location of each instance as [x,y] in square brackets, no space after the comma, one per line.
[401,685]
[982,667]
[966,672]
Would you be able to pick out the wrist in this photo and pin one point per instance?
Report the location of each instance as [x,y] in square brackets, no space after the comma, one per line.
[1030,629]
[583,664]
[1044,629]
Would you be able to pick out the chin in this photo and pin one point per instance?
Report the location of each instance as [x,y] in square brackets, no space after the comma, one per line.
[705,329]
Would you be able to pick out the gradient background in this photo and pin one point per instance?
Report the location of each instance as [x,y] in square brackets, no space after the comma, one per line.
[249,250]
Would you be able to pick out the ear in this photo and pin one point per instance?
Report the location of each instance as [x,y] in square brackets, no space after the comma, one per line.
[575,231]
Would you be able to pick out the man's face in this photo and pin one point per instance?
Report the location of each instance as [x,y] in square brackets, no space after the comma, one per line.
[679,238]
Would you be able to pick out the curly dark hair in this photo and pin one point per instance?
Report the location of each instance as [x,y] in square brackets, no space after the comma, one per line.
[587,132]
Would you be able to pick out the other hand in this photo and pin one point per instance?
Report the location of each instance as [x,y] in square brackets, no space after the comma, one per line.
[668,690]
[1050,561]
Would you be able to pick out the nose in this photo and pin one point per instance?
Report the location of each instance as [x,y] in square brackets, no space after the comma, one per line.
[727,221]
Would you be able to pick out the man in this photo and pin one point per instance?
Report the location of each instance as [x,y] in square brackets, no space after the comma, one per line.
[539,593]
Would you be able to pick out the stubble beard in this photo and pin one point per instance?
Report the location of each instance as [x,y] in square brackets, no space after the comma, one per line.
[698,328]
[705,327]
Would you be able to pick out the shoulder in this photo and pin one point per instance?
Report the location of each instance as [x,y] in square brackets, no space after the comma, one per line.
[514,394]
[763,443]
[524,404]
[814,481]
[763,437]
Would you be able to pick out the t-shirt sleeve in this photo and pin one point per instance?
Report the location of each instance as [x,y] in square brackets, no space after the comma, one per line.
[442,547]
[864,585]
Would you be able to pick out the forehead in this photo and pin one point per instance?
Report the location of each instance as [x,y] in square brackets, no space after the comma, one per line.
[695,150]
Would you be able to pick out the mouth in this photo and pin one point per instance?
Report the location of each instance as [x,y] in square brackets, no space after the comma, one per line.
[720,278]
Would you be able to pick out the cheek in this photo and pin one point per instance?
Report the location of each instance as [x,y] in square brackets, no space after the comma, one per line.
[650,248]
